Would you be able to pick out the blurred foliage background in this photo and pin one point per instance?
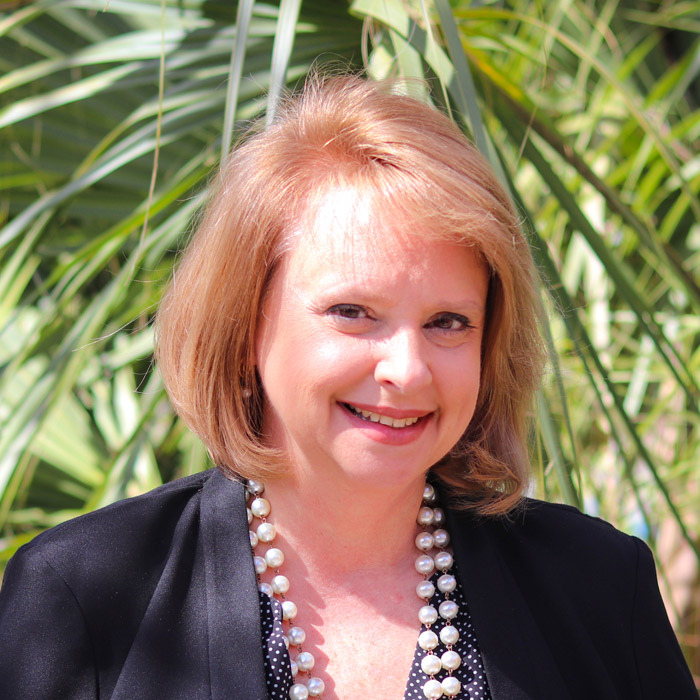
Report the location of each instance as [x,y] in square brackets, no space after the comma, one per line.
[114,113]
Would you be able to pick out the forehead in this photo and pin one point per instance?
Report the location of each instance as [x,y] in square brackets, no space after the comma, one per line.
[353,237]
[352,228]
[342,222]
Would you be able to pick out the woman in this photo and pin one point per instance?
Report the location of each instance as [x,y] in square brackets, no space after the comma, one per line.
[356,311]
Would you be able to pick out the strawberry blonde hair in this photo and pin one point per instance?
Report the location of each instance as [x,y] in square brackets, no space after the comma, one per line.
[344,131]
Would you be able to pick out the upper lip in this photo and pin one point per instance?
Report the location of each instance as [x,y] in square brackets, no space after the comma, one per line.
[389,411]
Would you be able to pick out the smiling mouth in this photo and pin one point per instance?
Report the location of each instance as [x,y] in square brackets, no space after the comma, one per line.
[379,418]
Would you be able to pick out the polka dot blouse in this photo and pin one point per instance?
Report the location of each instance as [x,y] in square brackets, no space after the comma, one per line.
[471,674]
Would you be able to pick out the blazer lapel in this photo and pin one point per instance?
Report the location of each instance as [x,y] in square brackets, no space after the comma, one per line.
[517,660]
[235,636]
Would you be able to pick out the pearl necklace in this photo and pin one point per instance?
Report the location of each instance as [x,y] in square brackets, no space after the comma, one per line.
[434,536]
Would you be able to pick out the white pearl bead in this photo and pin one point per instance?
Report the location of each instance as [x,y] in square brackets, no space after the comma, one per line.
[296,636]
[425,516]
[280,584]
[427,615]
[260,565]
[424,541]
[424,564]
[450,660]
[430,664]
[447,583]
[266,588]
[449,635]
[432,689]
[298,692]
[260,507]
[438,517]
[427,640]
[316,686]
[274,557]
[285,639]
[441,537]
[448,609]
[289,610]
[451,686]
[425,589]
[295,668]
[266,532]
[443,560]
[253,539]
[429,495]
[255,487]
[250,516]
[305,661]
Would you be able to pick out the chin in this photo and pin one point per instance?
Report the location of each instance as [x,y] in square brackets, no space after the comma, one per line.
[381,474]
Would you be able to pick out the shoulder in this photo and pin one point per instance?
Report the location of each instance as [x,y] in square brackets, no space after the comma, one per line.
[562,524]
[557,525]
[107,564]
[582,579]
[548,543]
[85,594]
[123,533]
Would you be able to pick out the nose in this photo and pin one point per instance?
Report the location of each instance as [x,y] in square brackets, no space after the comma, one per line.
[402,363]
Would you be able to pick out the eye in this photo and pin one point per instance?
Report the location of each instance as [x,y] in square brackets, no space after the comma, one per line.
[349,311]
[450,322]
[350,318]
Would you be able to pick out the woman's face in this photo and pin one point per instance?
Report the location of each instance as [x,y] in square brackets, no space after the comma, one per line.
[369,346]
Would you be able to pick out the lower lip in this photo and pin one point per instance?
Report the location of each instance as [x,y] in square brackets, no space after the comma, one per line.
[385,433]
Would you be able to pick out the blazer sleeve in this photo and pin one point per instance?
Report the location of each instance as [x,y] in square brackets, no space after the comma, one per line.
[661,668]
[45,650]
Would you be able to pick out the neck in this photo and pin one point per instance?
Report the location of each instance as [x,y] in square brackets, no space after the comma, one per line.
[346,527]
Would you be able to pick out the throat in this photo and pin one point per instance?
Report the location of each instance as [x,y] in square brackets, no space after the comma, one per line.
[334,527]
[434,599]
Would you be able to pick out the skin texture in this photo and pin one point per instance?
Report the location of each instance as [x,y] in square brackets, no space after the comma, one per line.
[363,311]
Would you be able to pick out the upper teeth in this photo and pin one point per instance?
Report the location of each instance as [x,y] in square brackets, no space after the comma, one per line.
[385,420]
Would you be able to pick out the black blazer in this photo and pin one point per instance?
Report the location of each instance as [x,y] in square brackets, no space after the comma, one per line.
[155,598]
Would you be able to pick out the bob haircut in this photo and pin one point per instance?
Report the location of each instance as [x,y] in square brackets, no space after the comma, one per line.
[346,132]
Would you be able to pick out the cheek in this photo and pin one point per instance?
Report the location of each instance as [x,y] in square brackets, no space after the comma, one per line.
[304,359]
[328,363]
[462,383]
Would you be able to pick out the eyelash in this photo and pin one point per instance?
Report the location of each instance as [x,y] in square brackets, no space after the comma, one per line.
[466,324]
[357,312]
[343,309]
